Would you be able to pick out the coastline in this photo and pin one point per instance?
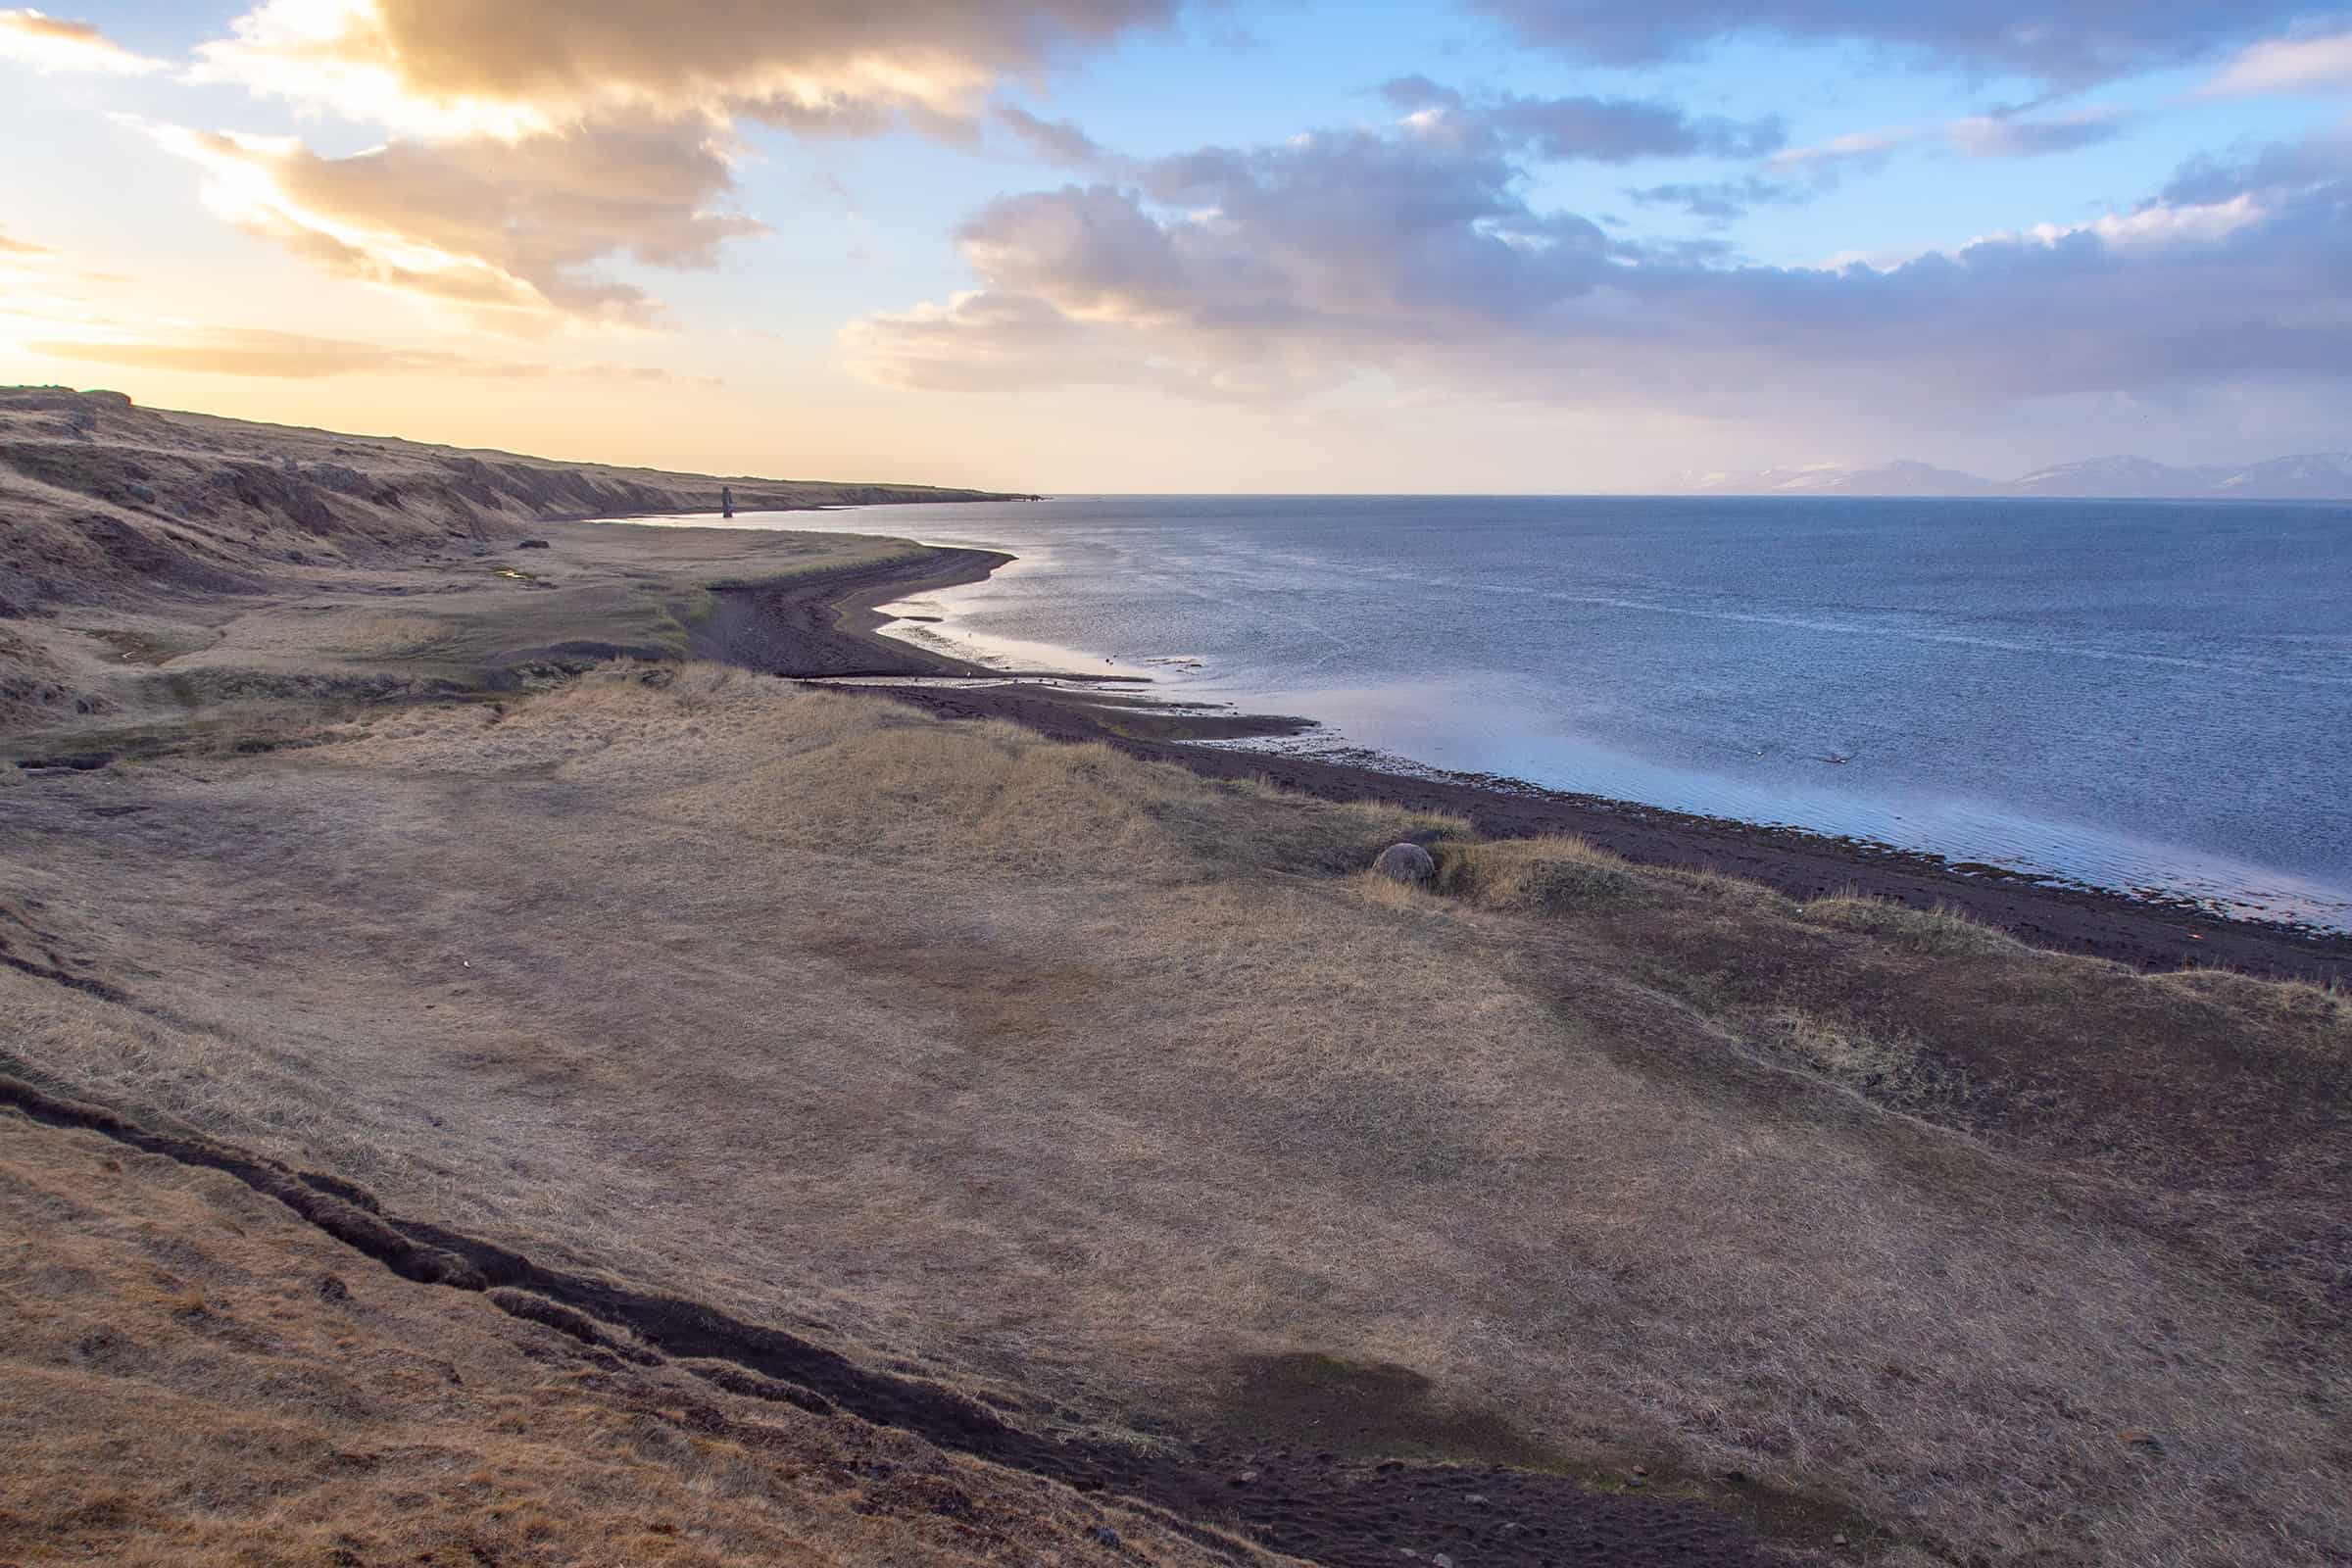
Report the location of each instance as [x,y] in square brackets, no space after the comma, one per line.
[826,626]
[1026,1145]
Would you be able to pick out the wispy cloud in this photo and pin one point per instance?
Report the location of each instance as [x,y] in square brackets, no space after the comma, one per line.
[2318,63]
[2074,43]
[1059,142]
[1857,149]
[296,356]
[1579,128]
[2011,133]
[56,44]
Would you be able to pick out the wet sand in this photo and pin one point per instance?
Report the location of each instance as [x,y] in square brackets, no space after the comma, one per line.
[826,625]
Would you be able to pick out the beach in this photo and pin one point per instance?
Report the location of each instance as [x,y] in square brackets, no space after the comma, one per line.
[541,1038]
[2069,692]
[829,627]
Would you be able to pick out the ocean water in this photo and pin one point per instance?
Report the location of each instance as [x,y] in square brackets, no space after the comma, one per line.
[2136,695]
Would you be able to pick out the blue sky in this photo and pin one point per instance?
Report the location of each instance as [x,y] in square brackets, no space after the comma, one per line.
[1498,244]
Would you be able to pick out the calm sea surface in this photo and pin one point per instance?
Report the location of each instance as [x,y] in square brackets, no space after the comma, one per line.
[2130,693]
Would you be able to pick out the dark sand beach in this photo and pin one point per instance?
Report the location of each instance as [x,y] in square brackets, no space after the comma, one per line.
[826,626]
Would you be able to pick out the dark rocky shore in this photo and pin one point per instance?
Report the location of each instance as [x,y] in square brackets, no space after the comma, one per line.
[826,626]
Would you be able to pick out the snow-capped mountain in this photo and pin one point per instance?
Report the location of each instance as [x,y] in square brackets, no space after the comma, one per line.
[2115,477]
[2312,476]
[2316,476]
[1900,478]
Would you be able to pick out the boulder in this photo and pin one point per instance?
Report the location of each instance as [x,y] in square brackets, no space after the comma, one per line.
[1408,863]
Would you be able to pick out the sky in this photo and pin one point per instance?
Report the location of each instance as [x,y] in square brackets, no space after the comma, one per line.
[1473,246]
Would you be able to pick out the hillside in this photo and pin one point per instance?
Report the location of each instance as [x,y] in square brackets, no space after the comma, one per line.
[1564,1213]
[487,1075]
[100,499]
[145,529]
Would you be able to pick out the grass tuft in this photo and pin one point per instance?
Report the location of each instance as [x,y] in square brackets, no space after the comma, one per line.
[1944,932]
[1552,874]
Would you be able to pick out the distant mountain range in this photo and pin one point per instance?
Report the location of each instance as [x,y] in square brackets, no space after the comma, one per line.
[2314,477]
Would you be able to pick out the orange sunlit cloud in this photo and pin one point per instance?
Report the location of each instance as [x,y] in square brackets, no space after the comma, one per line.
[507,234]
[56,44]
[449,66]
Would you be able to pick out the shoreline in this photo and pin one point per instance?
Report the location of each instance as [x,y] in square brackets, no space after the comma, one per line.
[827,626]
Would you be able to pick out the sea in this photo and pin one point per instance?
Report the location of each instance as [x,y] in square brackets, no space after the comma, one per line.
[2151,697]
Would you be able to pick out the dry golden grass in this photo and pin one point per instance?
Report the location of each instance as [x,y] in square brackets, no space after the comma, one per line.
[1102,1082]
[192,1378]
[1842,1055]
[1942,932]
[1552,874]
[153,561]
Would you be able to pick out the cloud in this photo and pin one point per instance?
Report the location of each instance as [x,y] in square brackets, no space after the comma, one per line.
[1855,150]
[1581,129]
[509,233]
[2006,133]
[2085,41]
[1724,201]
[1059,142]
[1280,272]
[2273,171]
[1795,175]
[296,356]
[538,142]
[23,247]
[2310,64]
[52,43]
[451,67]
[1789,177]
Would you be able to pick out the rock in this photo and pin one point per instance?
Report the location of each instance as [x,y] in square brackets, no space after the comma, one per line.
[1408,863]
[533,544]
[2141,1438]
[1105,1534]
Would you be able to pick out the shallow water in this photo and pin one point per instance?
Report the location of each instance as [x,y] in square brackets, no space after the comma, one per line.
[2146,695]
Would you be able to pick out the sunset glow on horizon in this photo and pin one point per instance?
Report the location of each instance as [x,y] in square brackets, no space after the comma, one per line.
[1469,245]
